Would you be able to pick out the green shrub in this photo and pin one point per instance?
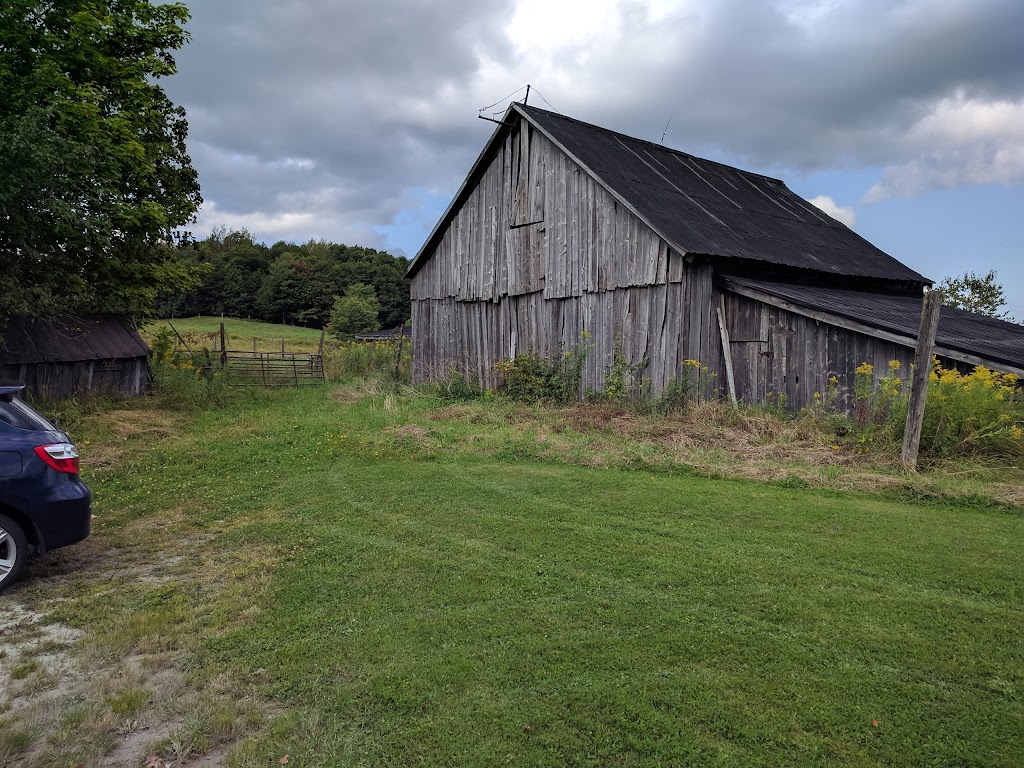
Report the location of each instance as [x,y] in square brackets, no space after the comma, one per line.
[185,385]
[529,377]
[978,414]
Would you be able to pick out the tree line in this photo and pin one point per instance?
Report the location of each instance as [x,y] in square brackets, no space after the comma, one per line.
[285,282]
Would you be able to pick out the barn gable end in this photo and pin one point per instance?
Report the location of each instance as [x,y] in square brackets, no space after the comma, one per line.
[538,253]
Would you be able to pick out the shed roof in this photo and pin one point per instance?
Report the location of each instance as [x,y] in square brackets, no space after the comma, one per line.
[995,342]
[71,339]
[701,206]
[385,333]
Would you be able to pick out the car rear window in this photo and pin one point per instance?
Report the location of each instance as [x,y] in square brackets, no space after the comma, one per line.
[20,415]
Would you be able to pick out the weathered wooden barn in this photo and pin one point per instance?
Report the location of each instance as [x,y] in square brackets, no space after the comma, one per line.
[563,227]
[75,355]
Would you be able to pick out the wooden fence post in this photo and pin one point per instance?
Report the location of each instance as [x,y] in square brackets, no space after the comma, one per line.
[919,382]
[398,353]
[223,348]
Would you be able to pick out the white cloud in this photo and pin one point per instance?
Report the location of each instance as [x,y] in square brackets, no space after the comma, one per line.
[298,224]
[844,215]
[264,222]
[961,141]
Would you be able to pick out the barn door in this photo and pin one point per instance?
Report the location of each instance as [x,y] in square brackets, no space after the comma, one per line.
[750,346]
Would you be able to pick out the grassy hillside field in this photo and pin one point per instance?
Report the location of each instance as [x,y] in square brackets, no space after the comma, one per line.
[200,332]
[364,578]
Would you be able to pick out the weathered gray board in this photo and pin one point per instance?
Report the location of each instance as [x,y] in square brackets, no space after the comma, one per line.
[538,255]
[123,376]
[776,353]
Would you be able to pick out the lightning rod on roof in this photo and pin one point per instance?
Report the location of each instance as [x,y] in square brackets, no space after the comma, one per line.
[527,97]
[663,133]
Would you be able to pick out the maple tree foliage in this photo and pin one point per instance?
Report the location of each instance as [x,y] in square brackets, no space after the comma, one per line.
[95,180]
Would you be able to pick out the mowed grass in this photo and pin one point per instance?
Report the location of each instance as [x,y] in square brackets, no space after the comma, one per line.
[410,595]
[240,333]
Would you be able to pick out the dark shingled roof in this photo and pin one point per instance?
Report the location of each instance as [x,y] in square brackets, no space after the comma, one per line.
[967,332]
[94,337]
[713,209]
[385,334]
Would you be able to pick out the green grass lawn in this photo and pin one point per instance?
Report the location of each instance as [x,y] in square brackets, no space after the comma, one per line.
[414,595]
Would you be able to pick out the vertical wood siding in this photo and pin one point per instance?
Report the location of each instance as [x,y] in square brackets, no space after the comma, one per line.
[779,353]
[125,376]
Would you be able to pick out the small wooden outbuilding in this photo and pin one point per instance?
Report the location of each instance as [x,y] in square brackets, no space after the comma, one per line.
[75,355]
[562,228]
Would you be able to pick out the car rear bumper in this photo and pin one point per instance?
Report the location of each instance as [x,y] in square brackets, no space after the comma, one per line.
[65,518]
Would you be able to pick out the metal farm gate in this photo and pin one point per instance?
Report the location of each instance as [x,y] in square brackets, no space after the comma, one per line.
[272,369]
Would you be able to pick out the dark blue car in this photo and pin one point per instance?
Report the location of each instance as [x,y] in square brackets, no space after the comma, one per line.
[43,502]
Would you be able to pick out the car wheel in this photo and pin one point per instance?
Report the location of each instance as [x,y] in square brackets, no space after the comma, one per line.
[13,551]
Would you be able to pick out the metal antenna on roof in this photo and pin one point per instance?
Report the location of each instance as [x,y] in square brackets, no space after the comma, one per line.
[665,131]
[527,97]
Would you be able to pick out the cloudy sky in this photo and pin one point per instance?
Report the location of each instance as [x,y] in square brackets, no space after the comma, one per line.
[357,121]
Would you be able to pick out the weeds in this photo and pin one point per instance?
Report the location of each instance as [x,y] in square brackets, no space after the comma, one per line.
[531,378]
[387,360]
[976,414]
[620,381]
[459,385]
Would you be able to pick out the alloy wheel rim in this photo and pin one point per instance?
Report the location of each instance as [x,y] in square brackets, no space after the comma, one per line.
[8,553]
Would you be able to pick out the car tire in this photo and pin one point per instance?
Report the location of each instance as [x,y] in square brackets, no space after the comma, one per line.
[13,551]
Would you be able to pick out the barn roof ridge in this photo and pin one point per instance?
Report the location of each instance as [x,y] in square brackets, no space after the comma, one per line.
[661,147]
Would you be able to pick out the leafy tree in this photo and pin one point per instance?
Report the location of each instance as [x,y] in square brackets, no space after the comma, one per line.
[355,312]
[94,176]
[282,295]
[981,294]
[287,283]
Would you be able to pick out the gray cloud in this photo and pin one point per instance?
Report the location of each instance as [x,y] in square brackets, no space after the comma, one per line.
[314,118]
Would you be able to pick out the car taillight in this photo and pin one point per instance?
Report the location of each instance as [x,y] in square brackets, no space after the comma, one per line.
[59,456]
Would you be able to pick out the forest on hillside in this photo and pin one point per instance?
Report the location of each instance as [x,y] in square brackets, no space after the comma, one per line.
[284,282]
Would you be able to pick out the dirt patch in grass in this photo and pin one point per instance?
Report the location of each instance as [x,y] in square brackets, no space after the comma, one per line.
[123,686]
[412,431]
[122,428]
